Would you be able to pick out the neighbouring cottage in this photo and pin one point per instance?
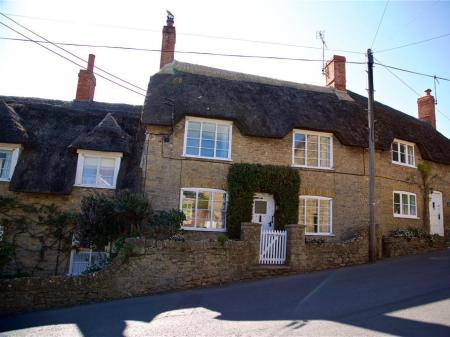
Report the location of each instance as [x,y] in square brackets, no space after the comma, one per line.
[201,120]
[56,152]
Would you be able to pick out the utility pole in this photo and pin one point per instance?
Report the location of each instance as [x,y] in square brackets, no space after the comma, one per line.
[372,230]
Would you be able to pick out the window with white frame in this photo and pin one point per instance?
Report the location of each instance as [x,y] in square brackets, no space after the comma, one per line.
[97,169]
[207,138]
[312,149]
[403,153]
[205,209]
[405,204]
[316,214]
[9,154]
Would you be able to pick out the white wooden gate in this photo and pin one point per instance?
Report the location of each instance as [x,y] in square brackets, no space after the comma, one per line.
[272,247]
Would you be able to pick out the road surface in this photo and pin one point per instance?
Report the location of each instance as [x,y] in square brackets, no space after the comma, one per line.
[407,296]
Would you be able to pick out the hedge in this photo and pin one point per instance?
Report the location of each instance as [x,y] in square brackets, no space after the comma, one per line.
[244,180]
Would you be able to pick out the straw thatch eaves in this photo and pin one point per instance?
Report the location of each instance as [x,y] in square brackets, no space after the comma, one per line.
[265,107]
[48,161]
[11,128]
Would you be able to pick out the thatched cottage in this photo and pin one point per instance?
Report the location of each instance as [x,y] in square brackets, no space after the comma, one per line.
[56,152]
[198,121]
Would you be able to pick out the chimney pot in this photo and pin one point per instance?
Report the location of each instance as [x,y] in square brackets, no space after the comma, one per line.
[335,76]
[91,60]
[86,82]
[168,42]
[426,108]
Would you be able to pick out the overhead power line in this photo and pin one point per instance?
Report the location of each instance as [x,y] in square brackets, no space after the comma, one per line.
[414,72]
[413,43]
[408,86]
[379,24]
[68,59]
[207,36]
[72,54]
[176,51]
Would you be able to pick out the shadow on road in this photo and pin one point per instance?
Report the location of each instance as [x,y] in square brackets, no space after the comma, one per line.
[361,296]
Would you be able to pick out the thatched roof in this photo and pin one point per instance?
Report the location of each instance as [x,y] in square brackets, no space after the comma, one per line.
[265,107]
[106,136]
[11,128]
[48,165]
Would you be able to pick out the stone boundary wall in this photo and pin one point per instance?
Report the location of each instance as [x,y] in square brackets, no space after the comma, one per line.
[143,267]
[400,246]
[149,266]
[329,255]
[313,255]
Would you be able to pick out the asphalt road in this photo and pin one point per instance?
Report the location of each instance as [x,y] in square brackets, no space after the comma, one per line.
[408,296]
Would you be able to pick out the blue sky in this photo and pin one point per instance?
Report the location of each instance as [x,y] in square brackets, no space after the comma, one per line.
[28,70]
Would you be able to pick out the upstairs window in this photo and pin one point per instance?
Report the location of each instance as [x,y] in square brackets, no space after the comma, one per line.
[205,209]
[405,205]
[97,169]
[207,139]
[9,153]
[312,149]
[403,153]
[316,214]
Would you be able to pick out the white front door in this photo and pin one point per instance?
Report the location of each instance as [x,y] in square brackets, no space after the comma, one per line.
[264,210]
[436,214]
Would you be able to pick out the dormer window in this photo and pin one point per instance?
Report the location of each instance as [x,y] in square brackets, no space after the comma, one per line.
[9,153]
[97,169]
[403,153]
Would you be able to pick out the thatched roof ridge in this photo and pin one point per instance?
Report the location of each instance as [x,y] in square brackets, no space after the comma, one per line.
[11,128]
[264,109]
[106,136]
[46,164]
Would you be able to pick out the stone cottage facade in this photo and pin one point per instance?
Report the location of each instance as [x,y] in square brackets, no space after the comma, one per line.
[200,120]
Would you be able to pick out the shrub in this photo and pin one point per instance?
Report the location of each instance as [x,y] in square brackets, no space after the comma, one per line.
[410,232]
[244,180]
[103,219]
[96,221]
[222,238]
[131,211]
[166,224]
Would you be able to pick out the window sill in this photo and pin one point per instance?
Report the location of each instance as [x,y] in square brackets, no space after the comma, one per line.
[314,168]
[320,234]
[6,180]
[406,216]
[403,164]
[195,229]
[208,158]
[95,186]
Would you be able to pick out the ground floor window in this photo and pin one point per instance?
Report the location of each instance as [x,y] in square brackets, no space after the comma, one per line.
[405,204]
[205,209]
[316,213]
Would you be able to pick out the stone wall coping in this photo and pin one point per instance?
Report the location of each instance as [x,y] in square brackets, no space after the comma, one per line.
[251,224]
[295,225]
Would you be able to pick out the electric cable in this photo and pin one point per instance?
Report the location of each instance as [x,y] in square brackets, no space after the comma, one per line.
[72,54]
[67,59]
[379,24]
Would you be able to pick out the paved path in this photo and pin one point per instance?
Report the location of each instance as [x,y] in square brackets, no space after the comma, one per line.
[408,296]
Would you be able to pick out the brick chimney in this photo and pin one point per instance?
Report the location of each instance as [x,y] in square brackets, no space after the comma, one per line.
[335,73]
[86,82]
[425,105]
[168,41]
